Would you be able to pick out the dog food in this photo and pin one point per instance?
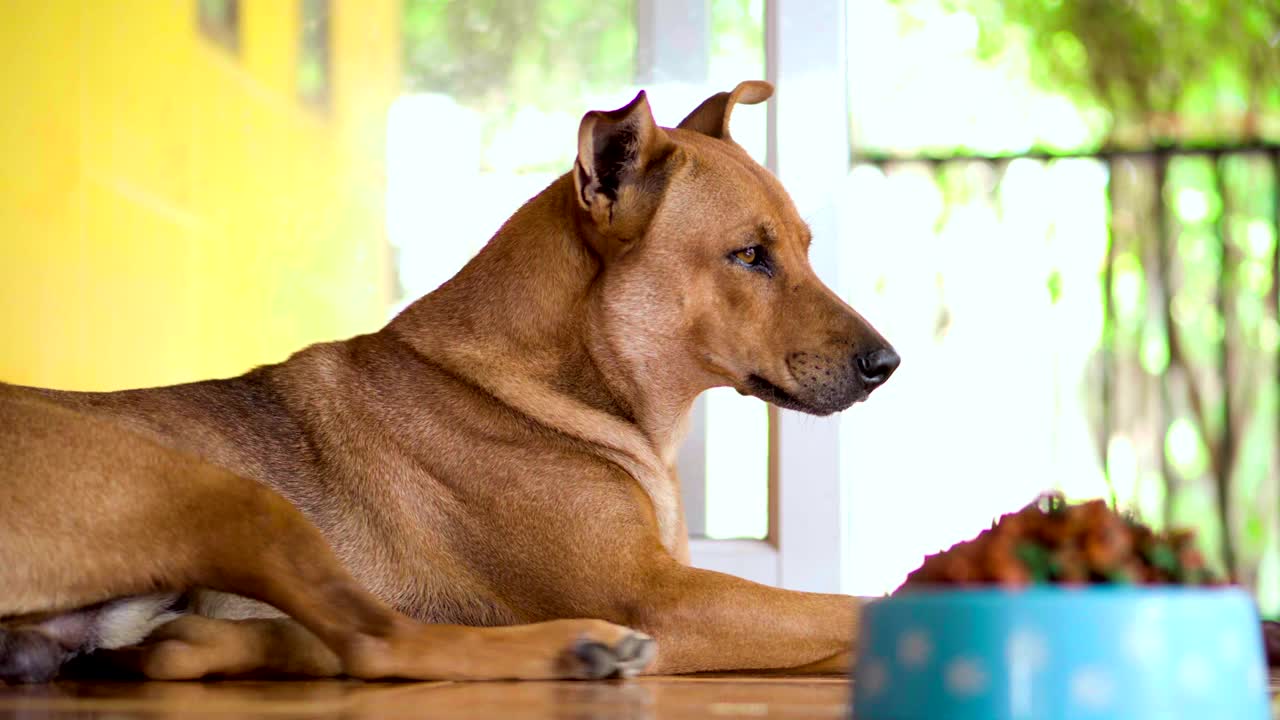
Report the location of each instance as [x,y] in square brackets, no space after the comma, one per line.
[1052,541]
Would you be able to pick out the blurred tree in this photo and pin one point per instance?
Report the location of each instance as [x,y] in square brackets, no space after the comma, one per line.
[503,54]
[1201,70]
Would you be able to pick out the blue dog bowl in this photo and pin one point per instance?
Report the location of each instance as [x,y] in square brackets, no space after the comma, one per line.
[1113,653]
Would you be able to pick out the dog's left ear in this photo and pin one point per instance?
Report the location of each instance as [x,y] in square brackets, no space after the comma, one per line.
[712,116]
[616,149]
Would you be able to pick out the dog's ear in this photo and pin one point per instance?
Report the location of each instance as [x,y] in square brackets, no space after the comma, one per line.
[712,116]
[616,149]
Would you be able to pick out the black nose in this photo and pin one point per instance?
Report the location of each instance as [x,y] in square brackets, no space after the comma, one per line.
[876,366]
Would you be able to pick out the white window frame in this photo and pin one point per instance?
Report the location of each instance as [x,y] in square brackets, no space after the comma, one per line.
[808,149]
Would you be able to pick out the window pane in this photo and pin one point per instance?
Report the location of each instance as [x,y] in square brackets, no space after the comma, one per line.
[737,54]
[220,20]
[497,90]
[737,465]
[737,479]
[314,72]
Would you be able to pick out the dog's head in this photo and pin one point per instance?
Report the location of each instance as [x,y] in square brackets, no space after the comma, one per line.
[706,276]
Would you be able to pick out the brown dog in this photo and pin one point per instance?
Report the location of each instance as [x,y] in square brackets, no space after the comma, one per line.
[439,498]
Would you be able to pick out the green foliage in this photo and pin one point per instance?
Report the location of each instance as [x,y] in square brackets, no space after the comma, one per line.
[526,66]
[737,26]
[1054,285]
[1037,560]
[529,52]
[1163,69]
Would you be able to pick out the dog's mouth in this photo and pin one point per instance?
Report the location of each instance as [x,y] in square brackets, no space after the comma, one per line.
[758,386]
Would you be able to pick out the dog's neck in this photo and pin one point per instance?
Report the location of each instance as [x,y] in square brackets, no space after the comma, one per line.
[525,311]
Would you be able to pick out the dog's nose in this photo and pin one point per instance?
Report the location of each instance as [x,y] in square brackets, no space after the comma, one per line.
[876,366]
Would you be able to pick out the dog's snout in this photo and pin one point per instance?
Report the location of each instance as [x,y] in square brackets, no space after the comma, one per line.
[875,367]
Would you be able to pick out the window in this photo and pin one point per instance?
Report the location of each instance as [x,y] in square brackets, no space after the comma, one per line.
[314,72]
[494,94]
[220,20]
[495,91]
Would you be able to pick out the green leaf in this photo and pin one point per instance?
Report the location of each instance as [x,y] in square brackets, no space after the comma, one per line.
[1037,561]
[1054,283]
[1162,557]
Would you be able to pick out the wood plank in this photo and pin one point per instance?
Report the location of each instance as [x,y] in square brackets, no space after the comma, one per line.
[684,697]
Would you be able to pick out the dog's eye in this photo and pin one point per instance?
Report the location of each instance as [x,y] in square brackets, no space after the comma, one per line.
[754,258]
[750,256]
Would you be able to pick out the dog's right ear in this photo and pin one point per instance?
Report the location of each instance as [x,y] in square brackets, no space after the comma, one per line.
[615,150]
[712,116]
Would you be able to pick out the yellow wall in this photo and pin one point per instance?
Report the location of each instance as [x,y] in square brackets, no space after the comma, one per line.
[169,210]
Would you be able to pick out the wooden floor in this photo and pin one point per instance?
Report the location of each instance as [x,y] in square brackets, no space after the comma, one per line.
[682,697]
[685,697]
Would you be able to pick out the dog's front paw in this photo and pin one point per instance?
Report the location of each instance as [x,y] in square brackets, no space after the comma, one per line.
[625,657]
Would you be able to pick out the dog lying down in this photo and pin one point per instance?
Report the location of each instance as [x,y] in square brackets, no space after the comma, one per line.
[484,488]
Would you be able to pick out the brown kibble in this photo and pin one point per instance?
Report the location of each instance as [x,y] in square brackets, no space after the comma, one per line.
[1071,565]
[1191,559]
[958,570]
[1085,543]
[1106,544]
[1014,578]
[1000,564]
[1055,531]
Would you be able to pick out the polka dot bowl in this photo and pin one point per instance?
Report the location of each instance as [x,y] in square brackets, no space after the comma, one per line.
[1044,653]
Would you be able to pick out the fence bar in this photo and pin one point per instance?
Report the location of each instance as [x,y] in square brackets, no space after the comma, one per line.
[1275,271]
[1108,332]
[1164,258]
[1227,436]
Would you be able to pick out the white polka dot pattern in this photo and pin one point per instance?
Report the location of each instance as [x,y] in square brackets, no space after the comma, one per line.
[1027,649]
[1145,640]
[914,649]
[1105,655]
[873,677]
[964,677]
[1091,688]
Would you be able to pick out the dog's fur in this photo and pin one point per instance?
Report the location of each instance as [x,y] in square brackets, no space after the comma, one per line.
[441,498]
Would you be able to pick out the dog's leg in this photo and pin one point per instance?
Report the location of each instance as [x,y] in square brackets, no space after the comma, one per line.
[110,515]
[709,621]
[294,570]
[252,542]
[194,646]
[249,541]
